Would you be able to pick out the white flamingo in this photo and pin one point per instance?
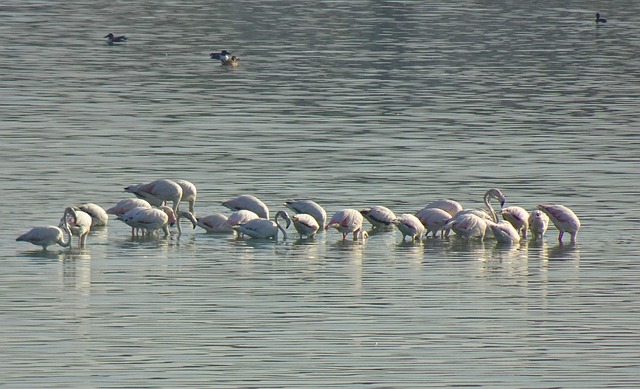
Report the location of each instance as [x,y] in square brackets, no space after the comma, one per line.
[468,226]
[488,213]
[379,216]
[79,224]
[152,220]
[309,207]
[504,232]
[348,221]
[189,194]
[47,236]
[451,207]
[99,216]
[518,217]
[305,224]
[563,218]
[249,203]
[158,192]
[434,220]
[538,224]
[409,225]
[264,228]
[215,223]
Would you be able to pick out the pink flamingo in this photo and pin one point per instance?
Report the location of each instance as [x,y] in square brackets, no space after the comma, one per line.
[433,220]
[451,207]
[309,207]
[126,205]
[518,217]
[215,223]
[305,224]
[348,221]
[264,228]
[409,225]
[189,194]
[467,226]
[504,232]
[47,236]
[99,216]
[79,224]
[249,203]
[563,218]
[158,192]
[379,216]
[538,224]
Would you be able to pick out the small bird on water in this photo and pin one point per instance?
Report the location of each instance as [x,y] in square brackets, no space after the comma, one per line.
[599,19]
[111,39]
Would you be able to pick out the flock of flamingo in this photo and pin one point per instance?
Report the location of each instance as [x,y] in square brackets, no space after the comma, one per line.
[148,213]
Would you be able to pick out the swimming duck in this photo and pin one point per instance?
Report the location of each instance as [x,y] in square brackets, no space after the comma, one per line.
[222,56]
[111,39]
[233,62]
[599,19]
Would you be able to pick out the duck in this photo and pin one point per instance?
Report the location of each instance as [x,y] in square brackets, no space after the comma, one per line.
[111,39]
[234,62]
[599,19]
[222,56]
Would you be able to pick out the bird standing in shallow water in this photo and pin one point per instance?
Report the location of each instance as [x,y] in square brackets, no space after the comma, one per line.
[47,236]
[563,218]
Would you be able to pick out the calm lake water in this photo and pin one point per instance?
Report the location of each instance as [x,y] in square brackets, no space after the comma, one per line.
[351,104]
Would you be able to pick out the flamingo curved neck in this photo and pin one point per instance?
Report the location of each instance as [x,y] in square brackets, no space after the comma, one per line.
[487,204]
[284,216]
[65,229]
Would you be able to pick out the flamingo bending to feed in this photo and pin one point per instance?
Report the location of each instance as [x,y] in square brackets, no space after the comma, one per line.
[99,216]
[538,224]
[47,236]
[518,217]
[379,216]
[248,202]
[264,228]
[434,220]
[79,224]
[158,192]
[305,224]
[451,207]
[153,219]
[348,221]
[309,207]
[504,232]
[467,226]
[189,194]
[215,223]
[126,205]
[563,218]
[409,225]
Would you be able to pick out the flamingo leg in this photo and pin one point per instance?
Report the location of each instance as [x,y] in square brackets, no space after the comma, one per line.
[560,236]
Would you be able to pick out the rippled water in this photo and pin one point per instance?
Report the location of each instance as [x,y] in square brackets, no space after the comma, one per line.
[349,104]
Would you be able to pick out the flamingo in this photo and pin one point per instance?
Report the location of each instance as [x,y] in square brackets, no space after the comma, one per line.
[348,221]
[563,218]
[248,202]
[79,224]
[518,217]
[158,192]
[409,225]
[189,194]
[153,219]
[433,220]
[452,207]
[99,216]
[47,236]
[309,207]
[126,205]
[538,224]
[305,224]
[488,213]
[215,223]
[379,216]
[467,226]
[264,228]
[504,232]
[240,217]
